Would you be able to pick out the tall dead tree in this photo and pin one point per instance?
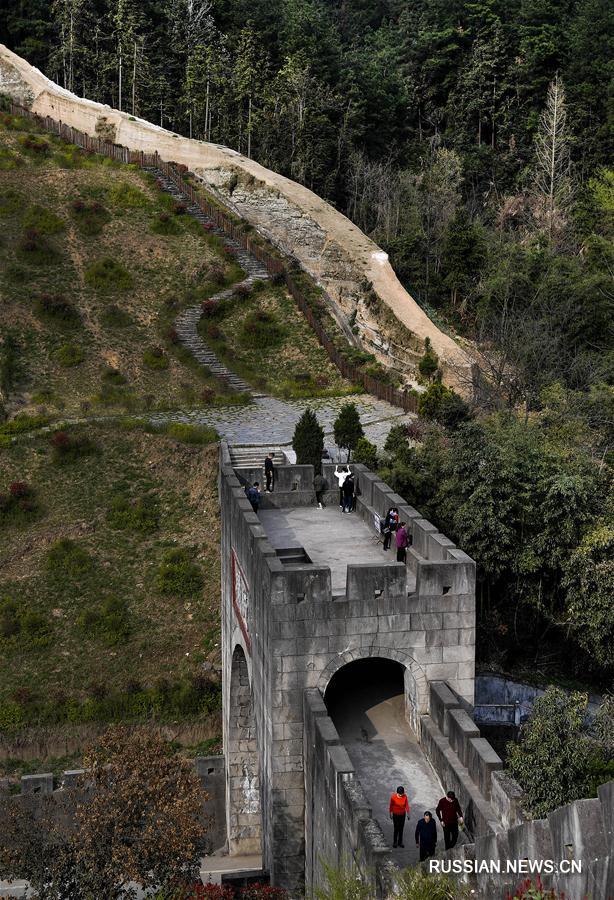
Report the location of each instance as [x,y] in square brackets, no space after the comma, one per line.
[553,184]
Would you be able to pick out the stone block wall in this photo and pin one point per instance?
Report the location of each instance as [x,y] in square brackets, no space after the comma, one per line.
[339,826]
[294,636]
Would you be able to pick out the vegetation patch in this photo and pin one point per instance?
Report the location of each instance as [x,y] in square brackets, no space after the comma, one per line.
[187,433]
[90,218]
[127,196]
[9,159]
[107,276]
[111,621]
[115,317]
[43,219]
[10,201]
[21,624]
[155,358]
[178,575]
[18,504]
[69,355]
[56,308]
[140,514]
[67,447]
[165,224]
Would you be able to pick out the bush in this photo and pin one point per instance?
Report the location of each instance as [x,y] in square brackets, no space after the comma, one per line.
[137,514]
[416,884]
[10,202]
[18,504]
[67,448]
[165,224]
[56,308]
[90,218]
[34,145]
[308,441]
[114,317]
[261,329]
[178,575]
[21,623]
[366,453]
[126,196]
[155,358]
[111,621]
[34,249]
[69,355]
[442,404]
[107,275]
[43,220]
[66,558]
[113,376]
[192,434]
[9,159]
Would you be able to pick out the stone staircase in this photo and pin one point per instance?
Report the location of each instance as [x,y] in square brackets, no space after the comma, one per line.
[253,457]
[186,324]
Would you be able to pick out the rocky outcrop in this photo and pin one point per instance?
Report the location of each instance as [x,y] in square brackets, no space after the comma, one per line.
[331,248]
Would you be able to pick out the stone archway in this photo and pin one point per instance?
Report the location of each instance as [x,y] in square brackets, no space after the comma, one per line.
[416,685]
[243,793]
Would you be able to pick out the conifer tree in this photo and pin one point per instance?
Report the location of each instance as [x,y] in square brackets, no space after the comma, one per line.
[308,441]
[348,429]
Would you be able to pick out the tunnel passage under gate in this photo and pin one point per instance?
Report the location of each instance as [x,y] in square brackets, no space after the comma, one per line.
[367,701]
[243,806]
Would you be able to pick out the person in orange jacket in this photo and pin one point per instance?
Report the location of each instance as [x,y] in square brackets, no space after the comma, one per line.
[399,809]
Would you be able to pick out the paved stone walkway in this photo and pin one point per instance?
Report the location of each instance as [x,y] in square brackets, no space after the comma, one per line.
[270,422]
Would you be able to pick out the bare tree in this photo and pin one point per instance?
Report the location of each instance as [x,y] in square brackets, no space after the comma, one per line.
[553,184]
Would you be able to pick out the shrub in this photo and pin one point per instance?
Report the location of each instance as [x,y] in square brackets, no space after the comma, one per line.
[110,621]
[126,196]
[67,448]
[192,434]
[17,504]
[261,329]
[155,358]
[66,558]
[43,219]
[34,145]
[444,405]
[308,441]
[165,224]
[178,575]
[416,884]
[113,376]
[90,218]
[69,355]
[179,208]
[10,202]
[9,159]
[56,308]
[242,290]
[19,622]
[114,317]
[366,453]
[34,249]
[137,514]
[210,308]
[107,275]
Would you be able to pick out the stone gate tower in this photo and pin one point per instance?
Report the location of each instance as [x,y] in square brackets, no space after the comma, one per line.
[305,592]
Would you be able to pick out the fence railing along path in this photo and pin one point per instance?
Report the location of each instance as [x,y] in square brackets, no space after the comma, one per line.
[274,266]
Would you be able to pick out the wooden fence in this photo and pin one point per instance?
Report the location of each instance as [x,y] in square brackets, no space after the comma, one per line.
[404,399]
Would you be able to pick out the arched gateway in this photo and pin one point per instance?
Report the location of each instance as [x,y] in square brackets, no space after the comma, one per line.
[305,593]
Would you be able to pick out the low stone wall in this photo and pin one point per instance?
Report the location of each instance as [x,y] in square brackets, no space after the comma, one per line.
[339,826]
[467,764]
[579,835]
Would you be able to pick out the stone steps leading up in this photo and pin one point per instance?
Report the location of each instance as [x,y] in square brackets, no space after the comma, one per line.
[186,324]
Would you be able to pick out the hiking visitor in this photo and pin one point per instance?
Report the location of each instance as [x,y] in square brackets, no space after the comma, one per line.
[426,836]
[402,540]
[341,474]
[319,486]
[269,473]
[398,809]
[391,523]
[450,815]
[348,494]
[254,495]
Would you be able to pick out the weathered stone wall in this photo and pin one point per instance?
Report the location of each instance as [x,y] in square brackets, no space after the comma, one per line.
[339,825]
[330,247]
[581,832]
[295,636]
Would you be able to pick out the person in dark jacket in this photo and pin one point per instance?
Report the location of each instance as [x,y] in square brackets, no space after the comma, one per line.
[319,486]
[426,836]
[253,495]
[348,493]
[391,523]
[450,815]
[269,473]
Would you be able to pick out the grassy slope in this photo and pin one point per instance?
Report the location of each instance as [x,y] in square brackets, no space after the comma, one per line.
[169,635]
[166,272]
[292,365]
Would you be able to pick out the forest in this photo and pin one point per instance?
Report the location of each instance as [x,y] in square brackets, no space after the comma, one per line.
[473,141]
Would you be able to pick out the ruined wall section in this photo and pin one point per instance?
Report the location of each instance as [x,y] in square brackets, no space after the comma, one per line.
[328,246]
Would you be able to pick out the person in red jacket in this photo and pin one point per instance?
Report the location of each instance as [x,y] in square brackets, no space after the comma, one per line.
[449,814]
[399,808]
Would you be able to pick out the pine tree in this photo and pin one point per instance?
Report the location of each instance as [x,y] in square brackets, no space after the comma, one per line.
[308,441]
[347,428]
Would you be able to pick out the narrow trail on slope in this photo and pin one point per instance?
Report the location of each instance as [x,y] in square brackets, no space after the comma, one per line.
[187,321]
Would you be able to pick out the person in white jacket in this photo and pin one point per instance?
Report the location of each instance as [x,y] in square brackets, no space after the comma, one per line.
[341,474]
